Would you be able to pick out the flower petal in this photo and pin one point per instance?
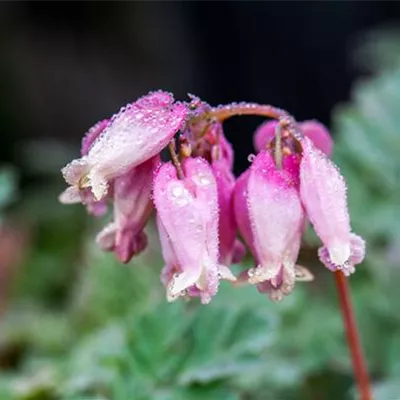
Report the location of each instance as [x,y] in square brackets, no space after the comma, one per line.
[138,132]
[323,193]
[276,216]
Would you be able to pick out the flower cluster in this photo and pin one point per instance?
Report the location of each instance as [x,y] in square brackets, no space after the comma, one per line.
[201,207]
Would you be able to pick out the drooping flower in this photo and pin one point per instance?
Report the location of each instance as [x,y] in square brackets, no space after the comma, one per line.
[132,208]
[188,215]
[270,219]
[138,132]
[276,217]
[323,193]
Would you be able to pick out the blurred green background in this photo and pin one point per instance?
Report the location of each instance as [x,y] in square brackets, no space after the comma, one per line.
[77,325]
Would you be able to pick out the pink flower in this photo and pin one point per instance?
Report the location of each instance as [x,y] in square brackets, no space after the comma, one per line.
[138,132]
[188,220]
[314,130]
[73,194]
[323,193]
[276,217]
[271,219]
[132,209]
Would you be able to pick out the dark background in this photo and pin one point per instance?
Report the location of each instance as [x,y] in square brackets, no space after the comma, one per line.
[66,65]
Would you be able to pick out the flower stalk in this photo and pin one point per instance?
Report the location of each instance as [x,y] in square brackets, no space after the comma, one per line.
[353,337]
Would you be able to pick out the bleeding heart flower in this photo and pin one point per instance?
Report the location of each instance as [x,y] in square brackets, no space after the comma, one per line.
[323,193]
[188,215]
[132,208]
[138,132]
[270,217]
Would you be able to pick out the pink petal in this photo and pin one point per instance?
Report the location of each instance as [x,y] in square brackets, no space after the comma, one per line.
[239,251]
[132,208]
[188,214]
[184,224]
[264,134]
[319,135]
[70,195]
[241,210]
[106,238]
[323,193]
[357,253]
[314,130]
[138,132]
[276,216]
[227,224]
[92,134]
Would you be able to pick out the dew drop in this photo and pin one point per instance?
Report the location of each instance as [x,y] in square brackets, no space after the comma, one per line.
[251,158]
[177,191]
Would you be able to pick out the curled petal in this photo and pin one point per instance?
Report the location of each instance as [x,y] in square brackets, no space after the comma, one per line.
[357,253]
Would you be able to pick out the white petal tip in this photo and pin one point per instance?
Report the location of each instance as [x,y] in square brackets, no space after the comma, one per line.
[226,273]
[303,274]
[70,196]
[261,274]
